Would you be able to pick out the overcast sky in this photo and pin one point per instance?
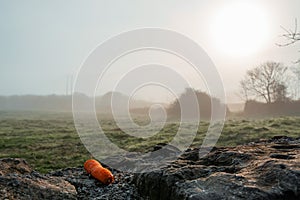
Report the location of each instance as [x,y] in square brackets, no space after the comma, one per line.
[44,42]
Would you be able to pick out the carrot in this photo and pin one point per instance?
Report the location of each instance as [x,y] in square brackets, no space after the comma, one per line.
[90,164]
[100,173]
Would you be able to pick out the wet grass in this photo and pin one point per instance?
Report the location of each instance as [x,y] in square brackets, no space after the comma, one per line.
[49,141]
[46,142]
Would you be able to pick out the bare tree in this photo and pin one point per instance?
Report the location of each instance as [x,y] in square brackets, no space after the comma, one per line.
[291,36]
[265,82]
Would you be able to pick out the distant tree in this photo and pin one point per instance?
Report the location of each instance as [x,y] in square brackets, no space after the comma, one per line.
[296,82]
[280,93]
[244,90]
[265,82]
[186,102]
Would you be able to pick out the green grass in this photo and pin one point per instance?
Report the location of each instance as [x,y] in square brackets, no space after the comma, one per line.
[49,141]
[46,142]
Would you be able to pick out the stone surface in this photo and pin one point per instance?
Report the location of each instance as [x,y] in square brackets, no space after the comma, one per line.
[89,188]
[265,170]
[269,169]
[19,181]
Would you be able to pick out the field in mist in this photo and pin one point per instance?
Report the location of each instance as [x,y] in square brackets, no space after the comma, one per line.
[49,141]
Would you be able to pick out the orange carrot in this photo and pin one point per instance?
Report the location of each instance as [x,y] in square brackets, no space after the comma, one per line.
[90,164]
[100,173]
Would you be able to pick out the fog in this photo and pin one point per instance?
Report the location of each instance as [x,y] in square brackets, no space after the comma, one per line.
[44,44]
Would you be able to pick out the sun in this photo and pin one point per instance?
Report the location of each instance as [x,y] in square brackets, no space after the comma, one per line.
[240,28]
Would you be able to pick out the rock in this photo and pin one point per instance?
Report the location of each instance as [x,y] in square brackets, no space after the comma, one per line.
[11,165]
[268,170]
[136,162]
[19,181]
[89,188]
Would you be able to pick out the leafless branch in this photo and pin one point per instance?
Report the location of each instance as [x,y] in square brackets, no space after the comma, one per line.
[292,36]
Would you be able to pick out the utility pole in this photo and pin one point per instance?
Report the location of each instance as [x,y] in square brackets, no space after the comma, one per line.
[67,86]
[71,84]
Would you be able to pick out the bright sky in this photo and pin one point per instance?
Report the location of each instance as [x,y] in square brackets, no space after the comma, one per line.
[44,42]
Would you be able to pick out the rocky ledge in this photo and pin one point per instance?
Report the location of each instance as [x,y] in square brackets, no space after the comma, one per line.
[268,169]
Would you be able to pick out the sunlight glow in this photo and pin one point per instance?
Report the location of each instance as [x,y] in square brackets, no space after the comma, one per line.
[240,28]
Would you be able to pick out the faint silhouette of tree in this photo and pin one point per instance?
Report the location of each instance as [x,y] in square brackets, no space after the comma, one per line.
[280,93]
[265,82]
[296,85]
[244,90]
[186,102]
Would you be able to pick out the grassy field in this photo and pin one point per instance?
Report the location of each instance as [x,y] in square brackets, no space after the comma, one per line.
[49,141]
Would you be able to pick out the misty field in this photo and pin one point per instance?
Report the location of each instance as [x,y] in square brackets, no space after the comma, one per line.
[49,141]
